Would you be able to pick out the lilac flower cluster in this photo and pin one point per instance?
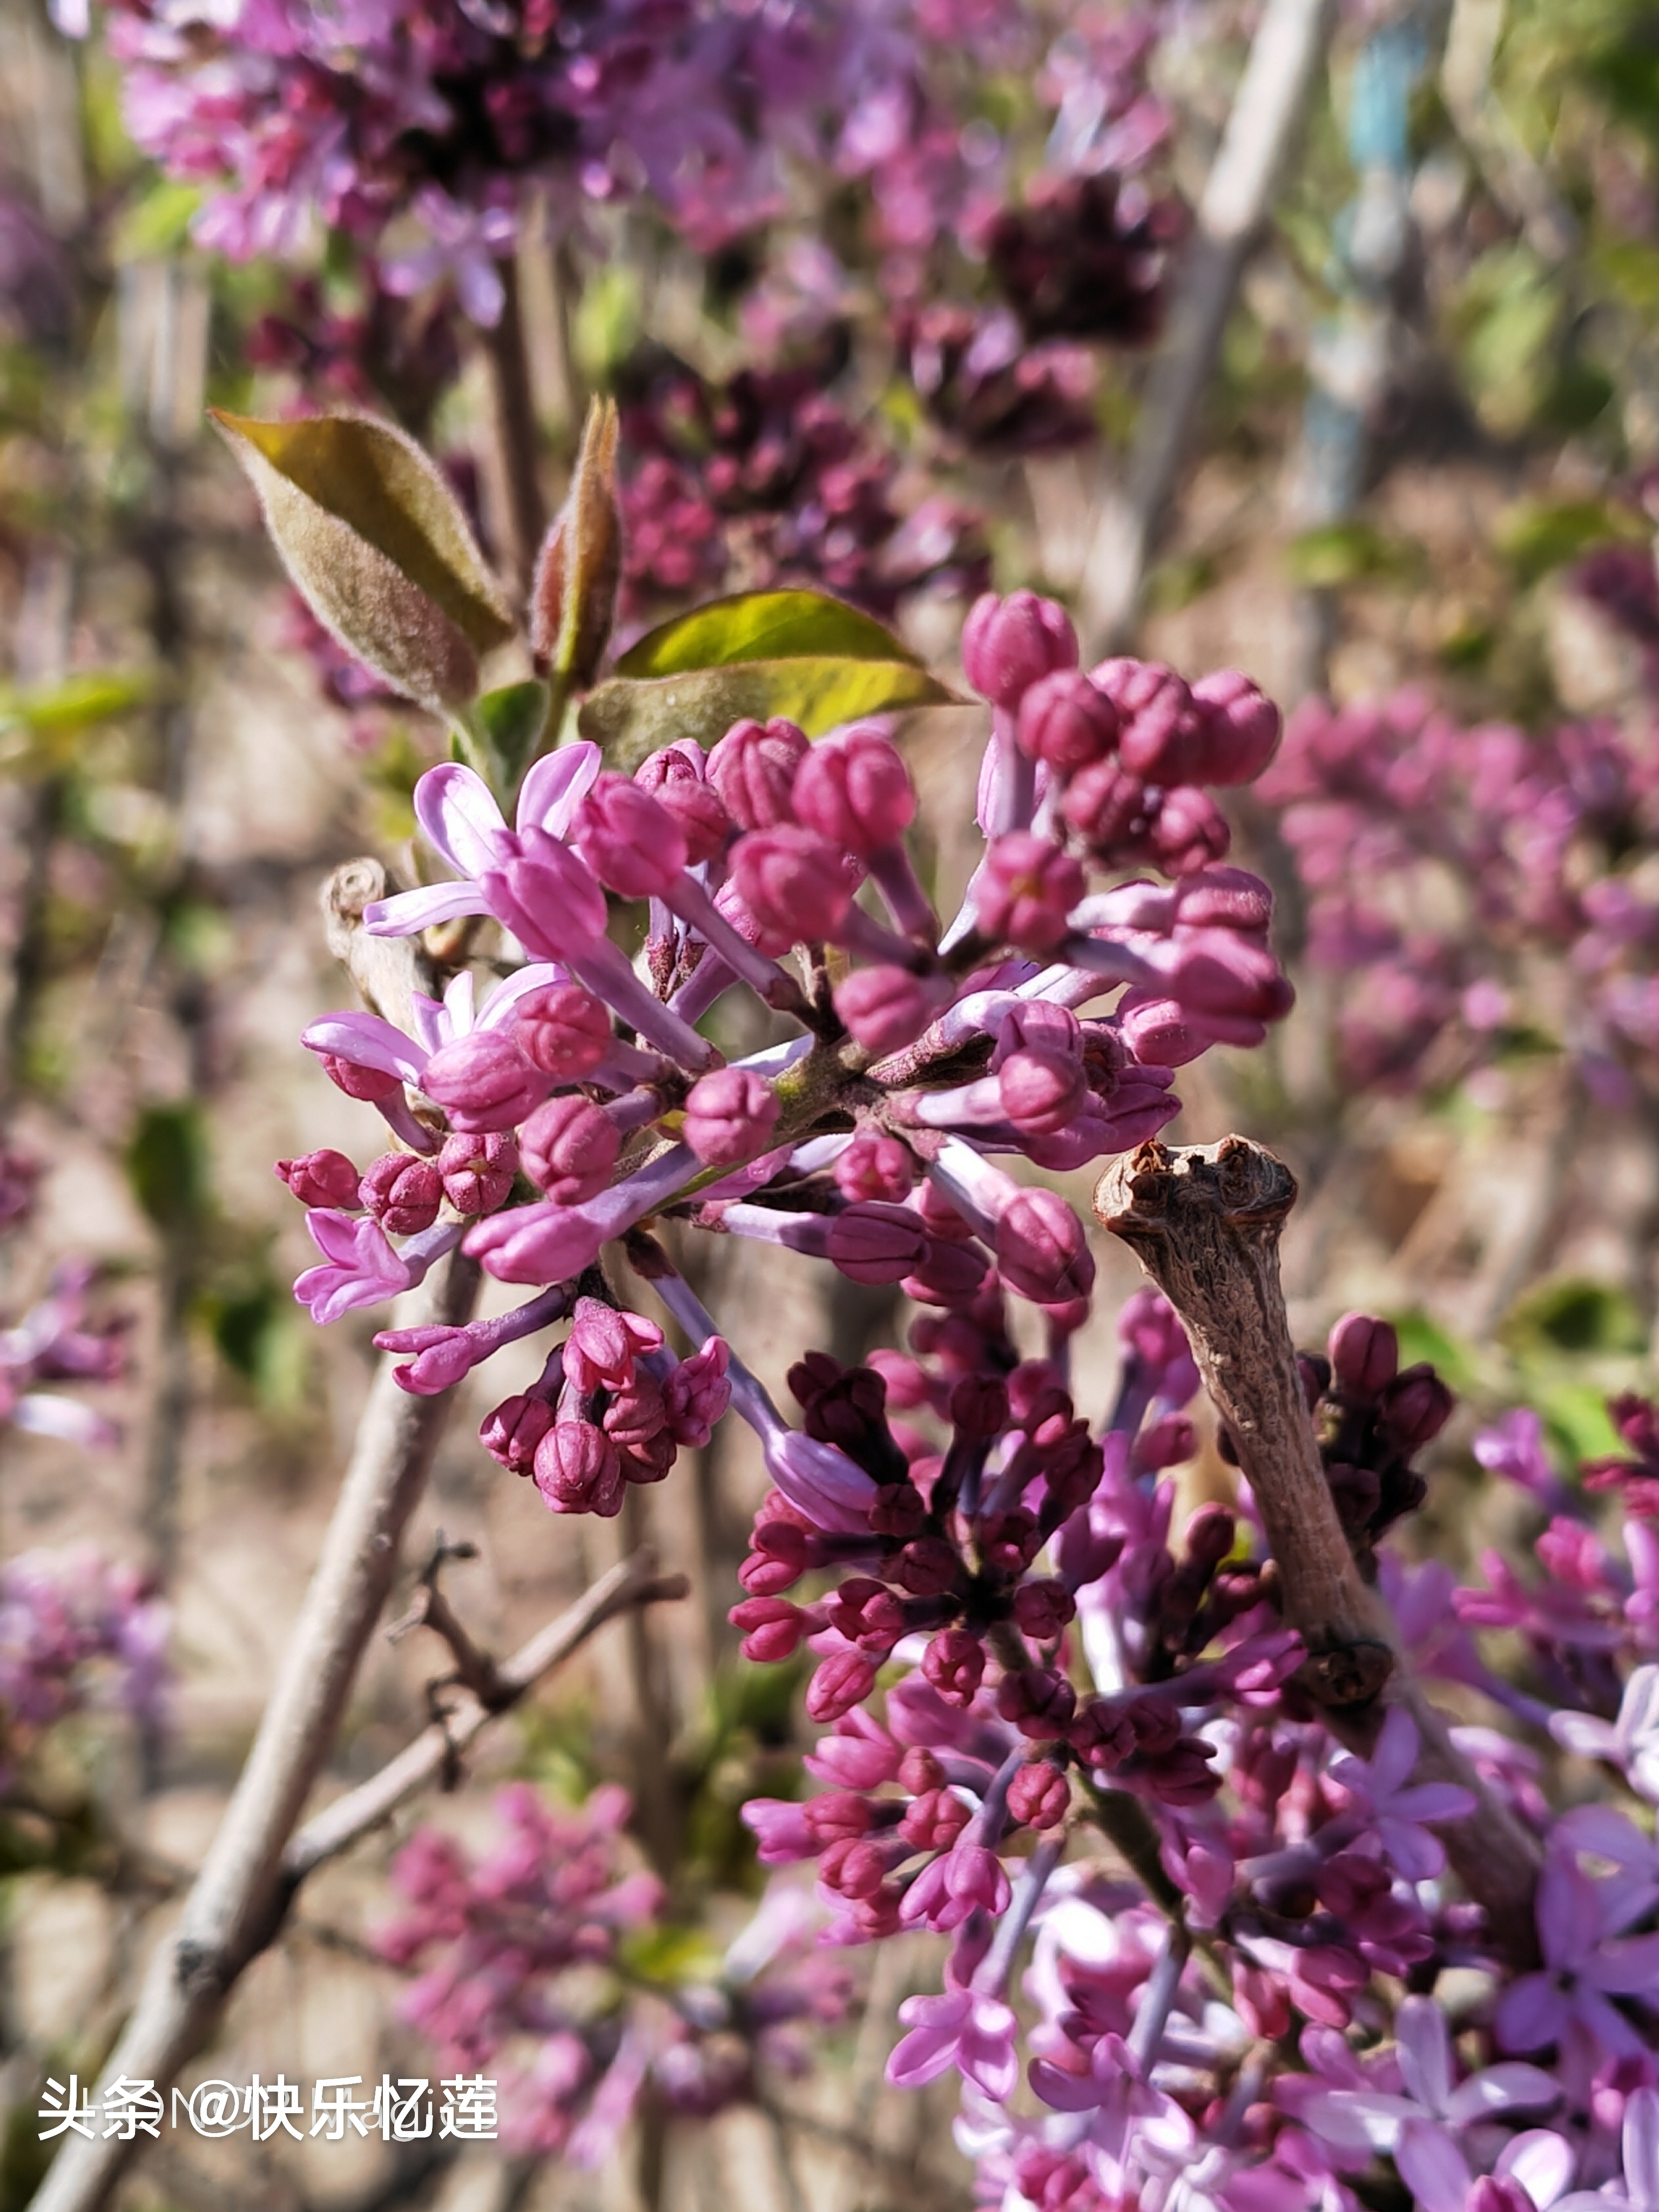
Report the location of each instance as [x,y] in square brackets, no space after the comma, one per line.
[1476,889]
[73,1629]
[523,1967]
[1017,1655]
[768,480]
[578,1099]
[58,1340]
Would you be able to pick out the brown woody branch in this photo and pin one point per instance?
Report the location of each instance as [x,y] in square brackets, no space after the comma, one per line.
[1205,1223]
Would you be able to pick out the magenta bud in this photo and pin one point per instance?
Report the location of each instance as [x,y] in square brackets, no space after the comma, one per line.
[1066,721]
[1025,892]
[1365,1355]
[1041,1252]
[796,885]
[934,1820]
[512,1433]
[730,1116]
[978,1407]
[1239,728]
[1039,1701]
[855,790]
[839,1682]
[1160,728]
[1104,805]
[578,1470]
[322,1178]
[884,1007]
[402,1193]
[675,781]
[954,1662]
[1040,1795]
[1210,1536]
[482,1081]
[630,841]
[1043,1091]
[875,1166]
[867,1612]
[1042,1610]
[569,1147]
[753,770]
[1008,644]
[840,1816]
[877,1244]
[1225,898]
[1415,1406]
[562,1030]
[772,1628]
[367,1083]
[1188,832]
[1160,1032]
[477,1171]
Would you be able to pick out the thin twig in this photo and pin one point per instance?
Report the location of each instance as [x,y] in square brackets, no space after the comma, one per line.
[633,1583]
[1266,117]
[1205,1224]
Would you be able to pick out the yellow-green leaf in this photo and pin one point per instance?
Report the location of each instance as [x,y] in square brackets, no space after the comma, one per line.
[573,602]
[764,626]
[632,718]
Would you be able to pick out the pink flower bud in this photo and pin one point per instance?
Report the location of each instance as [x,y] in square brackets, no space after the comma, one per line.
[753,770]
[1188,832]
[631,843]
[604,1343]
[1041,1252]
[1365,1355]
[513,1431]
[730,1116]
[875,1166]
[772,1628]
[368,1083]
[928,1567]
[920,1772]
[867,1612]
[564,1029]
[1066,721]
[1043,1091]
[797,884]
[402,1193]
[1025,892]
[696,1394]
[877,1244]
[578,1470]
[884,1007]
[322,1178]
[855,790]
[547,896]
[1042,1610]
[852,1867]
[1161,728]
[1239,730]
[950,1274]
[482,1081]
[477,1171]
[1038,1700]
[954,1662]
[1007,645]
[569,1147]
[1105,805]
[1225,898]
[964,1881]
[675,781]
[1160,1032]
[934,1820]
[1040,1795]
[840,1816]
[839,1682]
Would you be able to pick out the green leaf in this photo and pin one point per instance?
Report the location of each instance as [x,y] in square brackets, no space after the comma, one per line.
[166,1164]
[1574,1313]
[763,626]
[1576,1418]
[1421,1338]
[1340,553]
[158,222]
[632,718]
[78,703]
[376,541]
[505,728]
[1542,535]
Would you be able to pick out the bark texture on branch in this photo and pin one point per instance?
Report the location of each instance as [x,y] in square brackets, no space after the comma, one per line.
[1205,1224]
